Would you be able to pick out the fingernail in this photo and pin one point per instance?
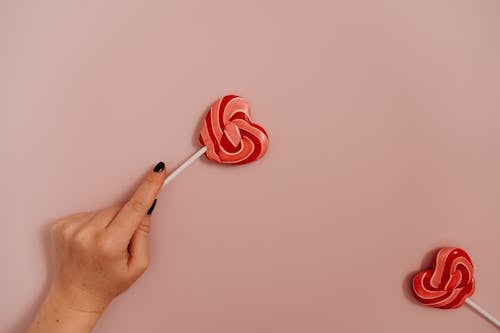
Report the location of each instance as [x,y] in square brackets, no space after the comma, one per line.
[150,210]
[159,167]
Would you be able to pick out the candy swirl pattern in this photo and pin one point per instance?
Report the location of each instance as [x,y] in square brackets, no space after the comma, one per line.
[229,134]
[449,283]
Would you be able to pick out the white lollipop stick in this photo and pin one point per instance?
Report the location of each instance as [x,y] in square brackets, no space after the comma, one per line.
[482,312]
[184,165]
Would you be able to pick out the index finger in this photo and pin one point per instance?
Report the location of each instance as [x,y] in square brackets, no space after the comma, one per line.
[131,214]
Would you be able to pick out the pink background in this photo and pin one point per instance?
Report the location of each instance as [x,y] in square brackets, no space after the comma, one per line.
[384,119]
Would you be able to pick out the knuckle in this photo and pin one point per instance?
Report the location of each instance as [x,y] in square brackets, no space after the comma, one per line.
[65,232]
[55,227]
[81,239]
[137,205]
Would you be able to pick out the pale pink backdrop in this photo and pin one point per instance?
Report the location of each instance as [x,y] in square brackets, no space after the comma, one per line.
[384,119]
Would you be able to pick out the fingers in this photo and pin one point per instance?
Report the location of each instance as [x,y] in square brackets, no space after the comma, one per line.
[102,219]
[124,225]
[139,246]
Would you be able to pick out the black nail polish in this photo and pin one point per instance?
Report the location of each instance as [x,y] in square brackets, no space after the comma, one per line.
[159,167]
[150,210]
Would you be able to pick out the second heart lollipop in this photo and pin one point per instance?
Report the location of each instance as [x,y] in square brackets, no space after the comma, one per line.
[450,283]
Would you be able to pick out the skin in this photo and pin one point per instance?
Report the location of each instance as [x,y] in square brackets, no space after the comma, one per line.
[98,255]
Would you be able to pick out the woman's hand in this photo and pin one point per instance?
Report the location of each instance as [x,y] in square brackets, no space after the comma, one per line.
[98,255]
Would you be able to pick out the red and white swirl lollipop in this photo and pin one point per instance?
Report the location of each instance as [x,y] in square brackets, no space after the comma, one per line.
[228,135]
[450,283]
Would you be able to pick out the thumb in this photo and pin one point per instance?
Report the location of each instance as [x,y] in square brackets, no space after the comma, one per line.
[139,246]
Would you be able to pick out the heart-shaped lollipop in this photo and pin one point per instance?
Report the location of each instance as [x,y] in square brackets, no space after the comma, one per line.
[228,135]
[450,283]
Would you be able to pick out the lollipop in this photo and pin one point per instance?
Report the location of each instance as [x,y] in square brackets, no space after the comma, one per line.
[450,283]
[228,135]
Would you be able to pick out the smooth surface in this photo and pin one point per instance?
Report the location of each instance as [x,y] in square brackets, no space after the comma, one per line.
[384,124]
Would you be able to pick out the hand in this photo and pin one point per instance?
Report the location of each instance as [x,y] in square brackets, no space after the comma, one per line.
[98,255]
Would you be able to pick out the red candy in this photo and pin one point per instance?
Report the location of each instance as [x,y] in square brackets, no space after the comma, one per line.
[229,134]
[449,283]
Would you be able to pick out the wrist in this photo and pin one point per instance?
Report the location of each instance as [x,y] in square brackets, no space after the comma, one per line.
[77,300]
[66,311]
